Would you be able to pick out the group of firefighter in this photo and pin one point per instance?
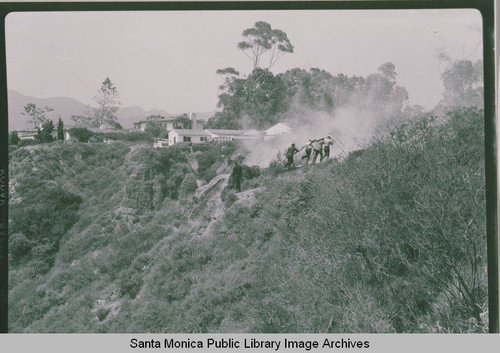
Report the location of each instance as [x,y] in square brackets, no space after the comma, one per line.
[317,147]
[312,150]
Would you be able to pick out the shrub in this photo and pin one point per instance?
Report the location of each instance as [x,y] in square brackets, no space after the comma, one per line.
[130,136]
[14,138]
[43,216]
[250,172]
[228,196]
[19,246]
[81,134]
[102,313]
[131,280]
[28,142]
[207,163]
[189,184]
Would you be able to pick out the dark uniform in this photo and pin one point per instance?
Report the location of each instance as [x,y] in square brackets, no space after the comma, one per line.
[308,151]
[326,148]
[236,176]
[289,155]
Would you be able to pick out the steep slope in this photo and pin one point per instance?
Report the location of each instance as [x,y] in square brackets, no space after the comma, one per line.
[391,239]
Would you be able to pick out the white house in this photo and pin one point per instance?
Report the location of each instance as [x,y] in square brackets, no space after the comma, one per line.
[194,136]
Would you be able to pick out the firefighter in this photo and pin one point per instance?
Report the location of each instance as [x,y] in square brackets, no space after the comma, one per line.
[326,148]
[236,175]
[289,155]
[308,149]
[318,149]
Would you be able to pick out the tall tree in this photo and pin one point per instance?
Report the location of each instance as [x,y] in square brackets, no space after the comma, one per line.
[14,138]
[60,129]
[155,127]
[108,103]
[388,70]
[463,84]
[45,131]
[254,102]
[36,114]
[261,39]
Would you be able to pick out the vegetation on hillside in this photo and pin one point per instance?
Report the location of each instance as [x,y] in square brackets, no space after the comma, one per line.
[390,239]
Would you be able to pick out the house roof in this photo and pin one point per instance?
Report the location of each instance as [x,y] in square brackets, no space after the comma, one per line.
[253,132]
[164,120]
[188,132]
[26,132]
[223,132]
[106,129]
[278,129]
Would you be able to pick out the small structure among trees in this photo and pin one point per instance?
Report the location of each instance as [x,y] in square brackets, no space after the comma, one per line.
[159,126]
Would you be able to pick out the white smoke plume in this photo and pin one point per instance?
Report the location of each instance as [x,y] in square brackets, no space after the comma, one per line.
[351,127]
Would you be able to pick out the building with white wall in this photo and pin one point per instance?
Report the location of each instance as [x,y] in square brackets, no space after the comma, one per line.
[193,136]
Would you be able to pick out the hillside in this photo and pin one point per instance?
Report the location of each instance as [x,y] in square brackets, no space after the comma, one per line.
[126,238]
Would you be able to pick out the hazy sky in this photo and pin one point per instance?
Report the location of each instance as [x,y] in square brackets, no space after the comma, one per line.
[167,60]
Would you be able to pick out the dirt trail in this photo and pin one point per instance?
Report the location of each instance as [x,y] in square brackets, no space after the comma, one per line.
[210,204]
[210,196]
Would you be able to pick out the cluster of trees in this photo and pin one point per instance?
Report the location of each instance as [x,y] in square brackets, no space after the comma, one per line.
[156,129]
[43,126]
[105,113]
[82,134]
[463,85]
[262,99]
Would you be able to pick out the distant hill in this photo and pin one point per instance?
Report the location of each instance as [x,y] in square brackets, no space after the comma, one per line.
[64,107]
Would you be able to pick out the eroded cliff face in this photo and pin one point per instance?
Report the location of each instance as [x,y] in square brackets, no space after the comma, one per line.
[92,211]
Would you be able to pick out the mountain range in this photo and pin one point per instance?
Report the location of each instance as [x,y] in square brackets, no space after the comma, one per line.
[65,107]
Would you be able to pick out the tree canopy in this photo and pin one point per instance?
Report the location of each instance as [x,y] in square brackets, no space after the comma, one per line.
[463,84]
[263,99]
[155,127]
[36,114]
[108,103]
[45,131]
[261,39]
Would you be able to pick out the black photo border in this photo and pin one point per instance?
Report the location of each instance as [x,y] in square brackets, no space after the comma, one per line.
[485,7]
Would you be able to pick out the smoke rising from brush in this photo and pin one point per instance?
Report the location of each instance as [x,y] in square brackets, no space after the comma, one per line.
[352,127]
